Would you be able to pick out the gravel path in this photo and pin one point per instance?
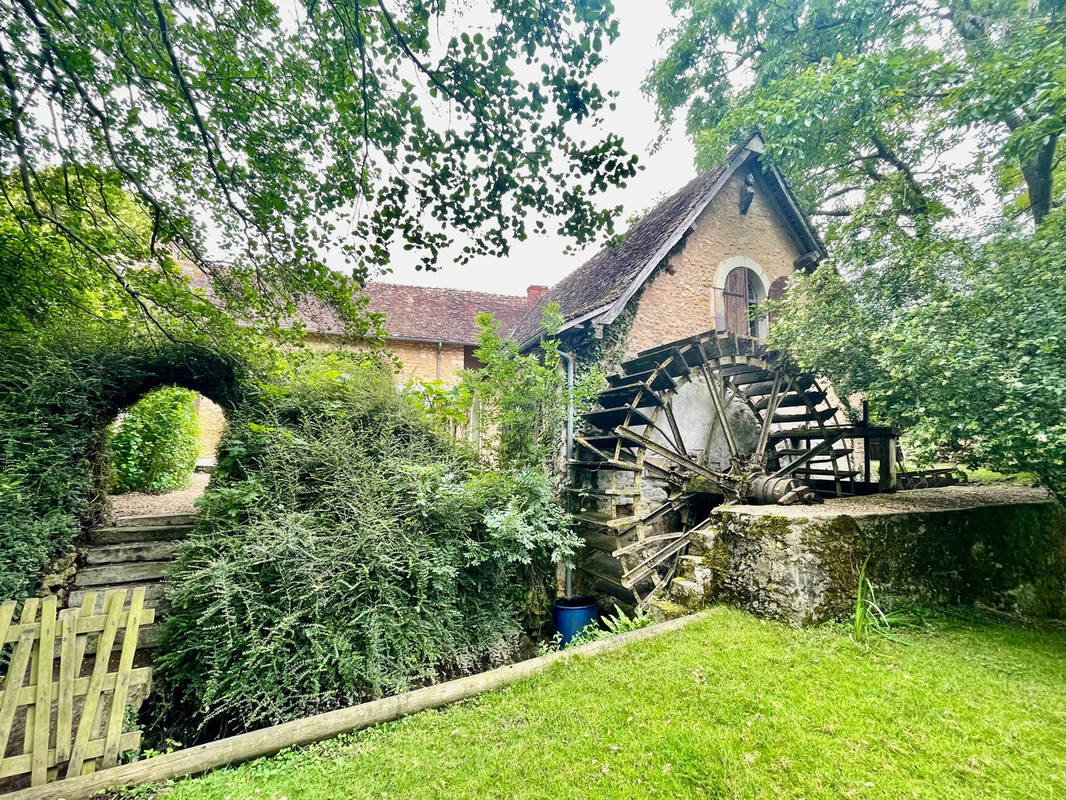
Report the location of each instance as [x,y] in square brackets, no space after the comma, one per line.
[179,502]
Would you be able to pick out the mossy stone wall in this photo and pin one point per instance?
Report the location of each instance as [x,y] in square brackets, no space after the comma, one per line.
[805,569]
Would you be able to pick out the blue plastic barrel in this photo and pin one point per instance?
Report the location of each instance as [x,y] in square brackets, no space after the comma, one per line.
[572,614]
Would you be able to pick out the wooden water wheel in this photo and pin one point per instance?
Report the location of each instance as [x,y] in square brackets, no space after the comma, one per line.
[687,426]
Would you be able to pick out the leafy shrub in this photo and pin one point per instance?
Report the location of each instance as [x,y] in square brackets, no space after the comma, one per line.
[347,549]
[523,396]
[154,447]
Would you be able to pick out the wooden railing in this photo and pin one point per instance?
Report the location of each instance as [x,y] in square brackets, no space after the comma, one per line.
[62,714]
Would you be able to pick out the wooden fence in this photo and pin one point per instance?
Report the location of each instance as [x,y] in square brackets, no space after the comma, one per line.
[62,714]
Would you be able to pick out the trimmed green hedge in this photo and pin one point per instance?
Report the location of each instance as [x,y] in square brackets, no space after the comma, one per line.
[154,447]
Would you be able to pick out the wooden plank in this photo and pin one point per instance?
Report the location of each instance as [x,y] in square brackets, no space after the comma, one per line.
[886,465]
[129,534]
[131,552]
[88,608]
[122,685]
[155,520]
[42,707]
[90,624]
[19,765]
[81,685]
[122,573]
[641,571]
[246,746]
[29,615]
[7,612]
[16,673]
[64,690]
[113,604]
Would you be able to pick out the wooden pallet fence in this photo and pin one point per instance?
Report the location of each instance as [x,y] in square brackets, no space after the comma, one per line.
[68,709]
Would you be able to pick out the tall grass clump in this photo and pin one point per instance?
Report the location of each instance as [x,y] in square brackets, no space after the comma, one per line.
[345,550]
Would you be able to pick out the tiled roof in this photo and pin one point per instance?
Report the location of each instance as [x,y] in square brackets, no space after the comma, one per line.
[420,312]
[605,277]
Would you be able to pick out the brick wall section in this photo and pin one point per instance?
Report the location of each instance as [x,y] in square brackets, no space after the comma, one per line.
[418,359]
[687,302]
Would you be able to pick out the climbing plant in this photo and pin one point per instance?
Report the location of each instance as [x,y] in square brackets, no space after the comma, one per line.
[523,396]
[154,446]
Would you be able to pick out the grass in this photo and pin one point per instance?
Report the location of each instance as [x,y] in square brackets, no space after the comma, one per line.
[731,707]
[982,475]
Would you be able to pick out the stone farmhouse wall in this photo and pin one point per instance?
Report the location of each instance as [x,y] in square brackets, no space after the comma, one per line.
[684,296]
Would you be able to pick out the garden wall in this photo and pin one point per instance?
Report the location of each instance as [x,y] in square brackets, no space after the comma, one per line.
[1004,546]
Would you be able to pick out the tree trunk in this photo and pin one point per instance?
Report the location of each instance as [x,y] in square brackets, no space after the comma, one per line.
[1037,172]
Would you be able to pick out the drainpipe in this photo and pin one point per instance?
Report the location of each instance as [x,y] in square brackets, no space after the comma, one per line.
[440,346]
[569,442]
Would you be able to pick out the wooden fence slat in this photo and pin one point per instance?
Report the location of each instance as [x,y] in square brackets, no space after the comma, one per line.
[122,685]
[19,765]
[16,671]
[91,624]
[65,688]
[81,685]
[88,607]
[43,702]
[7,611]
[113,606]
[29,615]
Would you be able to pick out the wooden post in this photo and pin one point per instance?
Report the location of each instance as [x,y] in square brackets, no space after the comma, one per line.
[886,466]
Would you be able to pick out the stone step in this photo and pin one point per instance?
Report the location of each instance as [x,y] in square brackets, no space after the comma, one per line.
[130,551]
[155,520]
[109,574]
[122,535]
[153,596]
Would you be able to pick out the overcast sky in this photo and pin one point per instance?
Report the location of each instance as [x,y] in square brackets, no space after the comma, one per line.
[542,260]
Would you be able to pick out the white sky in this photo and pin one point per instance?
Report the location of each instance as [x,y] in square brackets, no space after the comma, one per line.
[542,260]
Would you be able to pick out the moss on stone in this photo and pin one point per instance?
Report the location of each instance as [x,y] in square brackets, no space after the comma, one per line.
[767,526]
[841,548]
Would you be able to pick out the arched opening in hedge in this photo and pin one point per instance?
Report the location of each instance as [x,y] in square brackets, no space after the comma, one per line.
[160,432]
[59,397]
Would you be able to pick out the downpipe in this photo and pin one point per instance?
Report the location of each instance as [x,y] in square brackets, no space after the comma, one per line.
[569,359]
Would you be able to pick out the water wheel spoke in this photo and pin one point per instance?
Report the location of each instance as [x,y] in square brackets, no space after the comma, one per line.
[724,482]
[825,446]
[768,416]
[643,570]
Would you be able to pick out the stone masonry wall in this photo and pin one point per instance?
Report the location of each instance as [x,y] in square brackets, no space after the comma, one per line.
[684,296]
[1001,546]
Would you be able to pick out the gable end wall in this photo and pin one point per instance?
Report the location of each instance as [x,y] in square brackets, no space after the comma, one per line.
[689,301]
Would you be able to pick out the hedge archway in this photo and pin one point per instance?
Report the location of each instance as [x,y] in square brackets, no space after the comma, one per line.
[57,398]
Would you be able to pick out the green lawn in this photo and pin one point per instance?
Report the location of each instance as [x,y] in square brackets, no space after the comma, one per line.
[729,707]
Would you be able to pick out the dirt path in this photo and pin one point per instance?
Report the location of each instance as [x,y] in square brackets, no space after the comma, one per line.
[179,502]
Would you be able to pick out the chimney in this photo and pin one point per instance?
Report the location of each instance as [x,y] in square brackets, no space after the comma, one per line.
[534,293]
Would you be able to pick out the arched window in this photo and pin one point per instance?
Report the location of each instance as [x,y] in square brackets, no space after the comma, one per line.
[744,289]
